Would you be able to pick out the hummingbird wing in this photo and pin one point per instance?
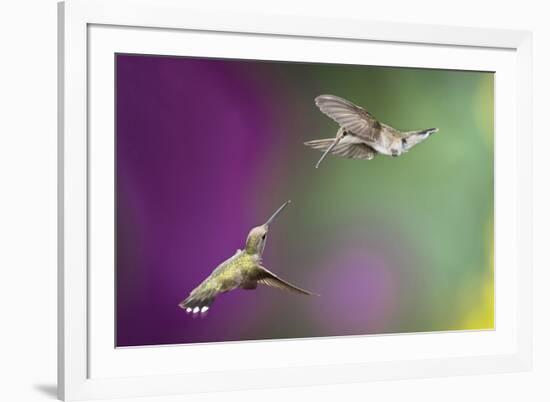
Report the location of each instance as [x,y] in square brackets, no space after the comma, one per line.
[343,149]
[268,278]
[352,117]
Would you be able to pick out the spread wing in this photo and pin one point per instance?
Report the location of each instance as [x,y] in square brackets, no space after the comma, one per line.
[268,278]
[352,117]
[343,149]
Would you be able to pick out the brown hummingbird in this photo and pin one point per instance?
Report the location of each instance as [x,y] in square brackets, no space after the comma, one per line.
[361,135]
[244,270]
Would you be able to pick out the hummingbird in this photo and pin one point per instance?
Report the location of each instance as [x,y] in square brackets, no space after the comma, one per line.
[361,135]
[244,270]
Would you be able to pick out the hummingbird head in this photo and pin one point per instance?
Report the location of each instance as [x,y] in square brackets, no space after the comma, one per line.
[257,237]
[415,137]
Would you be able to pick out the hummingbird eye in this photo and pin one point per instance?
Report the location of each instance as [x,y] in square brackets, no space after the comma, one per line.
[263,237]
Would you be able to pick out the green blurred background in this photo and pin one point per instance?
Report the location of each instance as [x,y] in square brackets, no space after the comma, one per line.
[397,244]
[424,220]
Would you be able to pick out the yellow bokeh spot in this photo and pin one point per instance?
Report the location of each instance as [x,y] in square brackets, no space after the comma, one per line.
[479,312]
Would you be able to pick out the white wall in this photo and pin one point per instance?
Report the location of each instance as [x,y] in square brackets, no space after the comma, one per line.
[28,199]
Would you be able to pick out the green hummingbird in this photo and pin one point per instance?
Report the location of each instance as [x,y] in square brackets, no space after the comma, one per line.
[361,135]
[244,270]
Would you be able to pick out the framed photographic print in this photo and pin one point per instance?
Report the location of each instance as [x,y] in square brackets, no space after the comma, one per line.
[238,195]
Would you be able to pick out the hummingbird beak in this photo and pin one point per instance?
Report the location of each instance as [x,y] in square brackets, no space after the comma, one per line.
[277,212]
[339,136]
[430,131]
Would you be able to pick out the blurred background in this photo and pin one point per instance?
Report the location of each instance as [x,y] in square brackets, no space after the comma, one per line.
[207,149]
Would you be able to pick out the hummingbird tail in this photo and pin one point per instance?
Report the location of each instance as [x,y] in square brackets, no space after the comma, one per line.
[198,303]
[321,145]
[343,149]
[326,145]
[339,135]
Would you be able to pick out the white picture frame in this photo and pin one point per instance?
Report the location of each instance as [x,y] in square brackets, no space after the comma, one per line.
[90,31]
